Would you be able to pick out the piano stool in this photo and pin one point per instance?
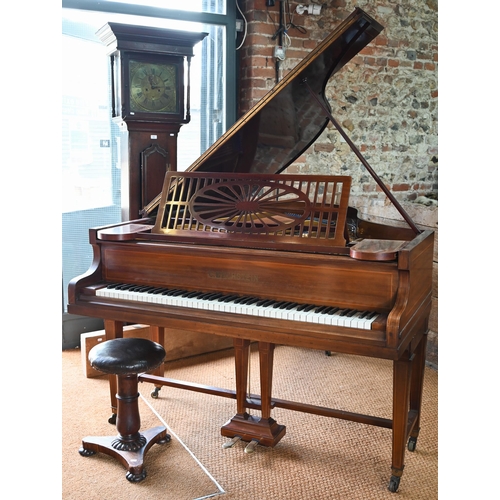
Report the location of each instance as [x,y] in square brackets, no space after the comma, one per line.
[127,358]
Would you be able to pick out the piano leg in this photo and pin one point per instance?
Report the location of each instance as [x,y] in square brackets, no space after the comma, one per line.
[263,430]
[408,381]
[416,390]
[113,330]
[157,335]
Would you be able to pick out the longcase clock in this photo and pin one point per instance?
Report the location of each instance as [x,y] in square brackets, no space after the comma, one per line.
[150,101]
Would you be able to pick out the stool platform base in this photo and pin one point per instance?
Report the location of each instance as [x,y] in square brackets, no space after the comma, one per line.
[132,460]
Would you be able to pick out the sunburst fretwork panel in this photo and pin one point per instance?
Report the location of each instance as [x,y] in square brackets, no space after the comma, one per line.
[305,210]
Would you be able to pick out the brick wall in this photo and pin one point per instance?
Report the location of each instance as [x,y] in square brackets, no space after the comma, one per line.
[385,99]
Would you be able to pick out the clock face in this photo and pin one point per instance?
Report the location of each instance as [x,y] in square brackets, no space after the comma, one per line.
[153,87]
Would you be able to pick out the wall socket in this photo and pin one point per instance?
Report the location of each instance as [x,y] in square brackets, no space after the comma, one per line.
[279,52]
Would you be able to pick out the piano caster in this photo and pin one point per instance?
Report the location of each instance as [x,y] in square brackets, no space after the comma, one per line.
[112,419]
[412,444]
[155,392]
[250,448]
[231,443]
[394,484]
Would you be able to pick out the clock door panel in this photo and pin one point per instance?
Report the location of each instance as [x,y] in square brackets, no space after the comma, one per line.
[154,165]
[147,150]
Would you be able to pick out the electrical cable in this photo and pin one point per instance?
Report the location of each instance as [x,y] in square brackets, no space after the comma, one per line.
[290,24]
[245,23]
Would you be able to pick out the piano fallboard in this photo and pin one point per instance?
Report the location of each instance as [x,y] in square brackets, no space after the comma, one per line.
[322,280]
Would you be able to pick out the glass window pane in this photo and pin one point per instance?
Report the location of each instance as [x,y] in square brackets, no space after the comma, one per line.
[86,151]
[212,6]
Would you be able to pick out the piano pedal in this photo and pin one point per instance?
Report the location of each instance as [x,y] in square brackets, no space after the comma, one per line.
[231,443]
[250,448]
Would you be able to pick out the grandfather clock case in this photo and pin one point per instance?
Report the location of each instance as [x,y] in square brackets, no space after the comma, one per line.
[150,101]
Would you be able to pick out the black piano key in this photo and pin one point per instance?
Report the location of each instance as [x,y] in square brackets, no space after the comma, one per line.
[129,287]
[309,307]
[328,310]
[228,298]
[240,300]
[287,305]
[140,289]
[321,309]
[280,305]
[268,303]
[344,312]
[123,286]
[333,310]
[251,300]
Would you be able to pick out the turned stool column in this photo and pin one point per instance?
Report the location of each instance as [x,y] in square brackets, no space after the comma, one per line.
[126,358]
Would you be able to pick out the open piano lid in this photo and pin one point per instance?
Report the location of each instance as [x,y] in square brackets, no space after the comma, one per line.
[285,122]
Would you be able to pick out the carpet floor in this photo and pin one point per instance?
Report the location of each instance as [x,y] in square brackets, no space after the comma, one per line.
[318,458]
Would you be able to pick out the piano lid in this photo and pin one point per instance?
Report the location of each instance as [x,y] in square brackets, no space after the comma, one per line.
[285,122]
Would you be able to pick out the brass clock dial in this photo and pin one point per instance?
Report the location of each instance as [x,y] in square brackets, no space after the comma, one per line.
[153,87]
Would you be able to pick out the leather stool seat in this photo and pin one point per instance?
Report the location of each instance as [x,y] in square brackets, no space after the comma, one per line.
[126,358]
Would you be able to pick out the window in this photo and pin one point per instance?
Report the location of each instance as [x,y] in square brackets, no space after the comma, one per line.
[191,6]
[90,157]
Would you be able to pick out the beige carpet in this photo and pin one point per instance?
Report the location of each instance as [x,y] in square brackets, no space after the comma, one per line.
[172,472]
[319,457]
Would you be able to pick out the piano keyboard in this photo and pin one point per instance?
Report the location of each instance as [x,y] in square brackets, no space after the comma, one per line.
[253,306]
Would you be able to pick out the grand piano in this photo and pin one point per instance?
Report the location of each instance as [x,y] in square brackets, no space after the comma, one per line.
[236,247]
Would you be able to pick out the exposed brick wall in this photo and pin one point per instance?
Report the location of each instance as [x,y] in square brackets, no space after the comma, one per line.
[385,99]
